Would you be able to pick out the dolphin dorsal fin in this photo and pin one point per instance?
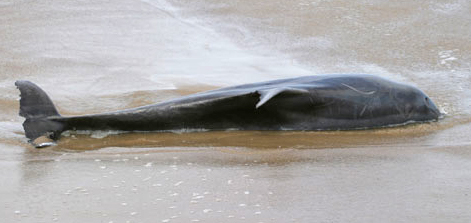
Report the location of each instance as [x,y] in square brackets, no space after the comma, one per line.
[266,95]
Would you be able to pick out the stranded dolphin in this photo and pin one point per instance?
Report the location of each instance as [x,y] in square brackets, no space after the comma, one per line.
[328,102]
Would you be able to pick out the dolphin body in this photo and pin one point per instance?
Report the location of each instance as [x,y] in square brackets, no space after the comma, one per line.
[327,102]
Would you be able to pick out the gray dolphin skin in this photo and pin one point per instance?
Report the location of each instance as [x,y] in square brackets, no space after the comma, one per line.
[324,102]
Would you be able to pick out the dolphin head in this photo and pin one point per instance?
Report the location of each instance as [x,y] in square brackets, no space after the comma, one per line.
[415,105]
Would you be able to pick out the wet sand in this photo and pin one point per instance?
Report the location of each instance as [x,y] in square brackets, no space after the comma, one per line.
[95,56]
[235,184]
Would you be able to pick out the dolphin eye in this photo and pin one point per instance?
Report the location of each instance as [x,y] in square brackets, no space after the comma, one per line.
[427,101]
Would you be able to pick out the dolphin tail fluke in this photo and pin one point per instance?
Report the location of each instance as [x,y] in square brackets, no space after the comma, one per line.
[39,112]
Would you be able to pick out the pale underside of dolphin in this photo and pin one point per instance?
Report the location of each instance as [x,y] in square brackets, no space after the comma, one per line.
[323,102]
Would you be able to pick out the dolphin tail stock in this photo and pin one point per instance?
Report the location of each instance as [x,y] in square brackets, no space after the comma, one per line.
[39,112]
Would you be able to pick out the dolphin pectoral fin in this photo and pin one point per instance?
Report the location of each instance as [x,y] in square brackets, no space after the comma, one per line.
[266,95]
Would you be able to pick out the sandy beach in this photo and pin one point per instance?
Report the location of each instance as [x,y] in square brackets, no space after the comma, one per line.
[97,56]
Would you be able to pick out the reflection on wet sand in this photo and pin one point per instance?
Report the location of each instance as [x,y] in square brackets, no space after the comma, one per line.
[250,139]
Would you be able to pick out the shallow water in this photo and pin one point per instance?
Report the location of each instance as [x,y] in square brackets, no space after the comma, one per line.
[95,56]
